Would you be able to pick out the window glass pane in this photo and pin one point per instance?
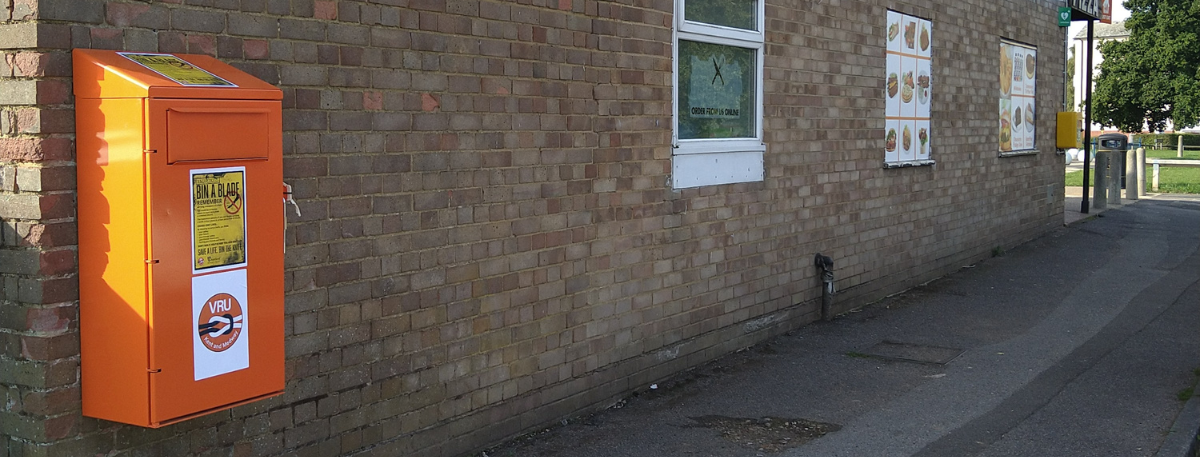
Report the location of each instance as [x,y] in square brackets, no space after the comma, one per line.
[741,14]
[716,91]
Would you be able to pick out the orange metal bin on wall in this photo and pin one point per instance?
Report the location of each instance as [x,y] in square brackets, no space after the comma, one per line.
[180,236]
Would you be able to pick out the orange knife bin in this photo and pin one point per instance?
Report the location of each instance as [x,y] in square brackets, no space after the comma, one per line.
[180,236]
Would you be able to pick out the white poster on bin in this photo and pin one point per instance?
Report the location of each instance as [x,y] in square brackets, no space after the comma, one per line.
[221,324]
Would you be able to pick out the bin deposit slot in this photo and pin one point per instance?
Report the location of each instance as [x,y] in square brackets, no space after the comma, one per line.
[213,134]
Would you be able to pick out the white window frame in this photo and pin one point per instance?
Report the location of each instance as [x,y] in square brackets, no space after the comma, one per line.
[712,161]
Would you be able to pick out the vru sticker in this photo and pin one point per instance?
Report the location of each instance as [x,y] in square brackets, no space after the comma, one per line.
[221,342]
[220,322]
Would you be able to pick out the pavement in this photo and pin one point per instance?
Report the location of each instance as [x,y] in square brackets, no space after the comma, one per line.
[1079,343]
[1073,204]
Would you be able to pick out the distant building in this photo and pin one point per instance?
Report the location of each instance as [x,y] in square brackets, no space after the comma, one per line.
[1101,32]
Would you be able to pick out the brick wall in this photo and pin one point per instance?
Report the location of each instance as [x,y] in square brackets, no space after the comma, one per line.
[489,242]
[39,343]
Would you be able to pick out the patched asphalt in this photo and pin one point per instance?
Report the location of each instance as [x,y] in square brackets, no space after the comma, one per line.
[1078,343]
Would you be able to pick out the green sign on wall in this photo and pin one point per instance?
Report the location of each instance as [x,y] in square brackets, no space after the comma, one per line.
[1064,16]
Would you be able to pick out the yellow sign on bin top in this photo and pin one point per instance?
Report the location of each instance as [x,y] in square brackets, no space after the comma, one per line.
[177,69]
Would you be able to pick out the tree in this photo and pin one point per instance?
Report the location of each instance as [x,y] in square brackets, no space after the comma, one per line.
[1154,76]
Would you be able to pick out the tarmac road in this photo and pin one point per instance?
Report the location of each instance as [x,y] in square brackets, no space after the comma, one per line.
[1075,344]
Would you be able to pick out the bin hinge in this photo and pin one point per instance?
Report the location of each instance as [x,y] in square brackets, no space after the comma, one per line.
[151,151]
[154,370]
[152,261]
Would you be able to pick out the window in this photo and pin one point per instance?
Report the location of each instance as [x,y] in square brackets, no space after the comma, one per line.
[908,91]
[1018,80]
[718,93]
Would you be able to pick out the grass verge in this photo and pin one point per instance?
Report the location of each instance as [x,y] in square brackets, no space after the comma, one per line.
[1170,180]
[1188,154]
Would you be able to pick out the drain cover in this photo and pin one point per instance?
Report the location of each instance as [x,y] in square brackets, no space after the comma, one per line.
[906,352]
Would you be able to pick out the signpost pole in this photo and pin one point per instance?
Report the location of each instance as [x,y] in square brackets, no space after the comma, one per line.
[1087,129]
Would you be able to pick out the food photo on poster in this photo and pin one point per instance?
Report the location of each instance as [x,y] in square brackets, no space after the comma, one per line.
[923,140]
[922,87]
[892,141]
[1005,126]
[1005,70]
[906,93]
[924,40]
[910,32]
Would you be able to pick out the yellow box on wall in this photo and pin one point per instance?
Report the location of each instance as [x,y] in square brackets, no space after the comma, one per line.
[1070,127]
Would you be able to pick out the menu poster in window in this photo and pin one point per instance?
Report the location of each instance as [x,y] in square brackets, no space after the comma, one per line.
[1018,86]
[908,89]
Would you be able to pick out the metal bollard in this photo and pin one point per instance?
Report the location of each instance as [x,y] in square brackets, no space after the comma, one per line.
[1131,175]
[1114,176]
[1141,171]
[1100,181]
